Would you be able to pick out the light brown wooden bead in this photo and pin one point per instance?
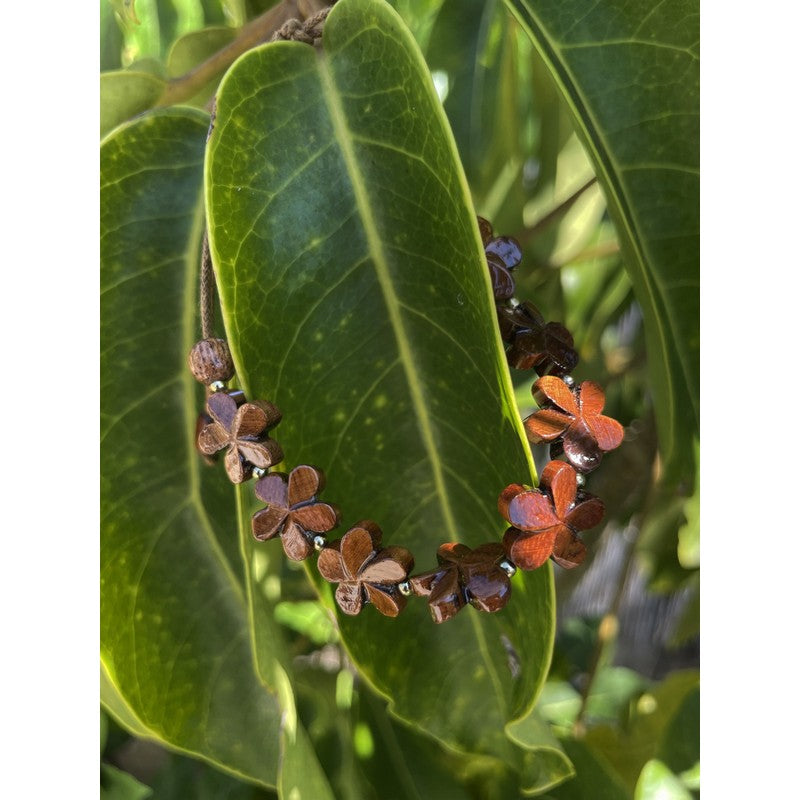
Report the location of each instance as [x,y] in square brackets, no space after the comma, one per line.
[210,360]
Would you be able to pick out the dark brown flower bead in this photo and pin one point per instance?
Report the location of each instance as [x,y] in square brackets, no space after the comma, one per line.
[546,521]
[364,572]
[502,281]
[464,576]
[293,510]
[573,417]
[547,347]
[242,428]
[210,360]
[549,350]
[485,227]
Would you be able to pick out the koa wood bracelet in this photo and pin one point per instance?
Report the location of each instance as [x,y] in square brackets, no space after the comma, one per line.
[545,522]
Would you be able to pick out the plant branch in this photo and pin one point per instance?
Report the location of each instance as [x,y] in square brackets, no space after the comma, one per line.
[606,633]
[256,32]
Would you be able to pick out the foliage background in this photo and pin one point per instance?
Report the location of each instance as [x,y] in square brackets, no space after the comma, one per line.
[619,703]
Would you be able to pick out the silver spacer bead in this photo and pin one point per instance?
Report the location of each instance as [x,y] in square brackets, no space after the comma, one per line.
[404,587]
[569,380]
[216,386]
[581,479]
[319,542]
[259,472]
[507,567]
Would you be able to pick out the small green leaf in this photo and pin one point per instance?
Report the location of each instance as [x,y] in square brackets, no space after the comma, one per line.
[679,747]
[630,75]
[628,749]
[118,785]
[594,779]
[657,783]
[174,627]
[124,94]
[356,297]
[309,618]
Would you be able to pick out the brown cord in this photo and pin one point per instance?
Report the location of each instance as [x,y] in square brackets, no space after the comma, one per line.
[207,286]
[309,31]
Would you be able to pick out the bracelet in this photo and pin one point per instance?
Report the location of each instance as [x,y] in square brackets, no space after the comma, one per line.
[545,522]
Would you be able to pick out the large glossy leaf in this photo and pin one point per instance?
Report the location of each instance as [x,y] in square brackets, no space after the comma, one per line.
[175,646]
[355,297]
[630,74]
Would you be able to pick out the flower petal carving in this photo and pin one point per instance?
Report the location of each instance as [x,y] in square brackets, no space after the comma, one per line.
[243,428]
[573,417]
[464,576]
[546,521]
[364,572]
[293,510]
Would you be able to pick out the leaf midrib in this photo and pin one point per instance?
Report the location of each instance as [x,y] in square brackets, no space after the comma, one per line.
[379,260]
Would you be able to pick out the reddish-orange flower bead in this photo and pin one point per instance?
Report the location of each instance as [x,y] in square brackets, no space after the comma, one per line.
[546,521]
[573,416]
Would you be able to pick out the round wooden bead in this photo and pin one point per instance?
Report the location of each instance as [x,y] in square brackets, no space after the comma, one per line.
[210,361]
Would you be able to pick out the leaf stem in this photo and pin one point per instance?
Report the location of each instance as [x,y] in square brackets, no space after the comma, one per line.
[254,33]
[551,216]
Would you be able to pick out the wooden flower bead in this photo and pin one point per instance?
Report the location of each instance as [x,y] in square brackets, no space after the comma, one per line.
[364,572]
[485,228]
[549,350]
[547,347]
[546,522]
[502,281]
[293,510]
[242,428]
[464,576]
[573,416]
[203,419]
[210,360]
[523,317]
[506,248]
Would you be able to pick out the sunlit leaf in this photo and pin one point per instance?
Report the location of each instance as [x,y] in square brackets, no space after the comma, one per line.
[657,783]
[335,197]
[175,645]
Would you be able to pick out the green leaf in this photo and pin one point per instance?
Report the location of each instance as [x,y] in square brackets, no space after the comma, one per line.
[630,74]
[679,747]
[657,783]
[174,628]
[612,690]
[124,94]
[645,736]
[553,764]
[474,44]
[110,38]
[118,785]
[594,777]
[398,762]
[356,298]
